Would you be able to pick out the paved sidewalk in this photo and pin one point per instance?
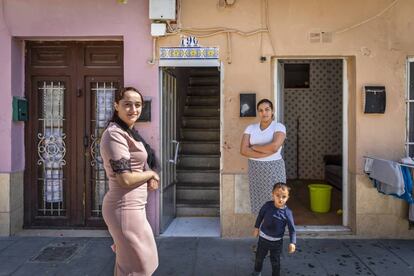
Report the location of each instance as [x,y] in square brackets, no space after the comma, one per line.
[207,256]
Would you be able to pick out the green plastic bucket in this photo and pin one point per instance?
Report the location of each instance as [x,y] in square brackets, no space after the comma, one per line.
[320,197]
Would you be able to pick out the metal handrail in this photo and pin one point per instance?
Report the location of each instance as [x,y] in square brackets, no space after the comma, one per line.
[174,161]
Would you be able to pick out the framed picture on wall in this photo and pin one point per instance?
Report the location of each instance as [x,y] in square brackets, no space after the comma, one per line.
[247,104]
[146,112]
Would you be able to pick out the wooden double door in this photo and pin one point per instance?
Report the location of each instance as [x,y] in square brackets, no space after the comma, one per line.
[70,87]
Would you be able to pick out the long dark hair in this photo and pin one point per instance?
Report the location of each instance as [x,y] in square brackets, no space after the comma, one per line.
[151,160]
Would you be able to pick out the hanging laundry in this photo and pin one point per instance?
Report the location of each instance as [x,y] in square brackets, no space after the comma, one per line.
[411,206]
[388,175]
[392,173]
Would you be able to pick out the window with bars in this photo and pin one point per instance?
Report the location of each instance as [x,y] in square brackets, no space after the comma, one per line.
[103,94]
[409,145]
[51,149]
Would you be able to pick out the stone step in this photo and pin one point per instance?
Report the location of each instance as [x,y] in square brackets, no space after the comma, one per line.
[204,80]
[199,147]
[200,122]
[198,208]
[201,175]
[197,191]
[204,72]
[203,90]
[197,134]
[201,111]
[204,100]
[199,186]
[199,161]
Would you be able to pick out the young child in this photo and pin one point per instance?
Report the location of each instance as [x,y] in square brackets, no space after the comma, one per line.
[270,228]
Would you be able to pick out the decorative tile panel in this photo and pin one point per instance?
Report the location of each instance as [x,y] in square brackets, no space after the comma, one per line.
[189,52]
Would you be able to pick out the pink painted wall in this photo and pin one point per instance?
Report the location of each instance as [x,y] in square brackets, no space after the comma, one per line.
[5,92]
[74,20]
[17,89]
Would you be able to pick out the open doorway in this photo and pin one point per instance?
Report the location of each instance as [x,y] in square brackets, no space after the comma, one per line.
[190,151]
[310,104]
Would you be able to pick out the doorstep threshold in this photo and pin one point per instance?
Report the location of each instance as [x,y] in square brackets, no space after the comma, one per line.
[318,228]
[324,231]
[72,233]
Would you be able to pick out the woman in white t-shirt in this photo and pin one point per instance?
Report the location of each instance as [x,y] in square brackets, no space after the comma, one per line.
[262,144]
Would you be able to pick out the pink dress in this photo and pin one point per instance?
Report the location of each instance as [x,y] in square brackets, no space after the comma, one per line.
[124,208]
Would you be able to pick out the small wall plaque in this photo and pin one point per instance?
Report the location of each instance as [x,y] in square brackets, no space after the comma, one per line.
[248,105]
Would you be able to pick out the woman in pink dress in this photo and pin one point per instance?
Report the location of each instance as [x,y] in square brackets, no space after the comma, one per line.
[126,155]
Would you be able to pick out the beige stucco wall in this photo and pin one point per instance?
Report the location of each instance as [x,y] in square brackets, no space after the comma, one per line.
[11,203]
[377,52]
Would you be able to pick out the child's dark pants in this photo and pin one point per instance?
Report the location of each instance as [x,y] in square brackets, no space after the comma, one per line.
[275,248]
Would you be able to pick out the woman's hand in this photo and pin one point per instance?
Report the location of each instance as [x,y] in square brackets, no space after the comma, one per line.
[152,184]
[256,232]
[291,248]
[155,176]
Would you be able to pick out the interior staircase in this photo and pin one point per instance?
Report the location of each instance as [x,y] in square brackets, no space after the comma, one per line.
[198,175]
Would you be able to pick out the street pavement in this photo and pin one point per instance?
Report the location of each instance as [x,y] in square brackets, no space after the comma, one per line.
[208,256]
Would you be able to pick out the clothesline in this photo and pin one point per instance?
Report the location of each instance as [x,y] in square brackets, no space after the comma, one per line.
[401,164]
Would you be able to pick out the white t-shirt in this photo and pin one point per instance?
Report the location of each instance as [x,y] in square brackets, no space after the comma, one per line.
[262,137]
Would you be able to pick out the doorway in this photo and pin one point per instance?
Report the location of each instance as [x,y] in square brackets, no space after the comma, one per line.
[70,87]
[190,151]
[310,102]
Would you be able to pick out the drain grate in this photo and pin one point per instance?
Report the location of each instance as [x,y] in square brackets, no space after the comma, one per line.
[60,252]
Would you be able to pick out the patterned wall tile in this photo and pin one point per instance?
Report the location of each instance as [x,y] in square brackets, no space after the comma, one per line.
[313,119]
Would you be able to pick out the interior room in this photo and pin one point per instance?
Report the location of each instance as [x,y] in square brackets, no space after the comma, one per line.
[312,113]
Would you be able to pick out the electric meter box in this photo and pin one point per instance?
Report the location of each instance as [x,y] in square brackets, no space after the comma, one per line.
[20,109]
[162,9]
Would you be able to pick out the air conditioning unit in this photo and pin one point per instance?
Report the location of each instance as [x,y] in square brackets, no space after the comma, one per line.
[162,9]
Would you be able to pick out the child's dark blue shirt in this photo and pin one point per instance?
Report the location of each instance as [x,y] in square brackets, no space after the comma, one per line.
[272,221]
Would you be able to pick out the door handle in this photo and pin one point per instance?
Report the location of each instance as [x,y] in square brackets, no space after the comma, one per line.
[85,141]
[177,147]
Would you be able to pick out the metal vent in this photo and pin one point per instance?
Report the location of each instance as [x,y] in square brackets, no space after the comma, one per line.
[58,252]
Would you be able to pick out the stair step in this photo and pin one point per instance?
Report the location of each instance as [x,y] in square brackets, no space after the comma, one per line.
[199,147]
[204,72]
[203,100]
[203,90]
[207,208]
[200,122]
[197,186]
[200,192]
[199,203]
[185,211]
[197,134]
[198,176]
[204,80]
[199,161]
[201,111]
